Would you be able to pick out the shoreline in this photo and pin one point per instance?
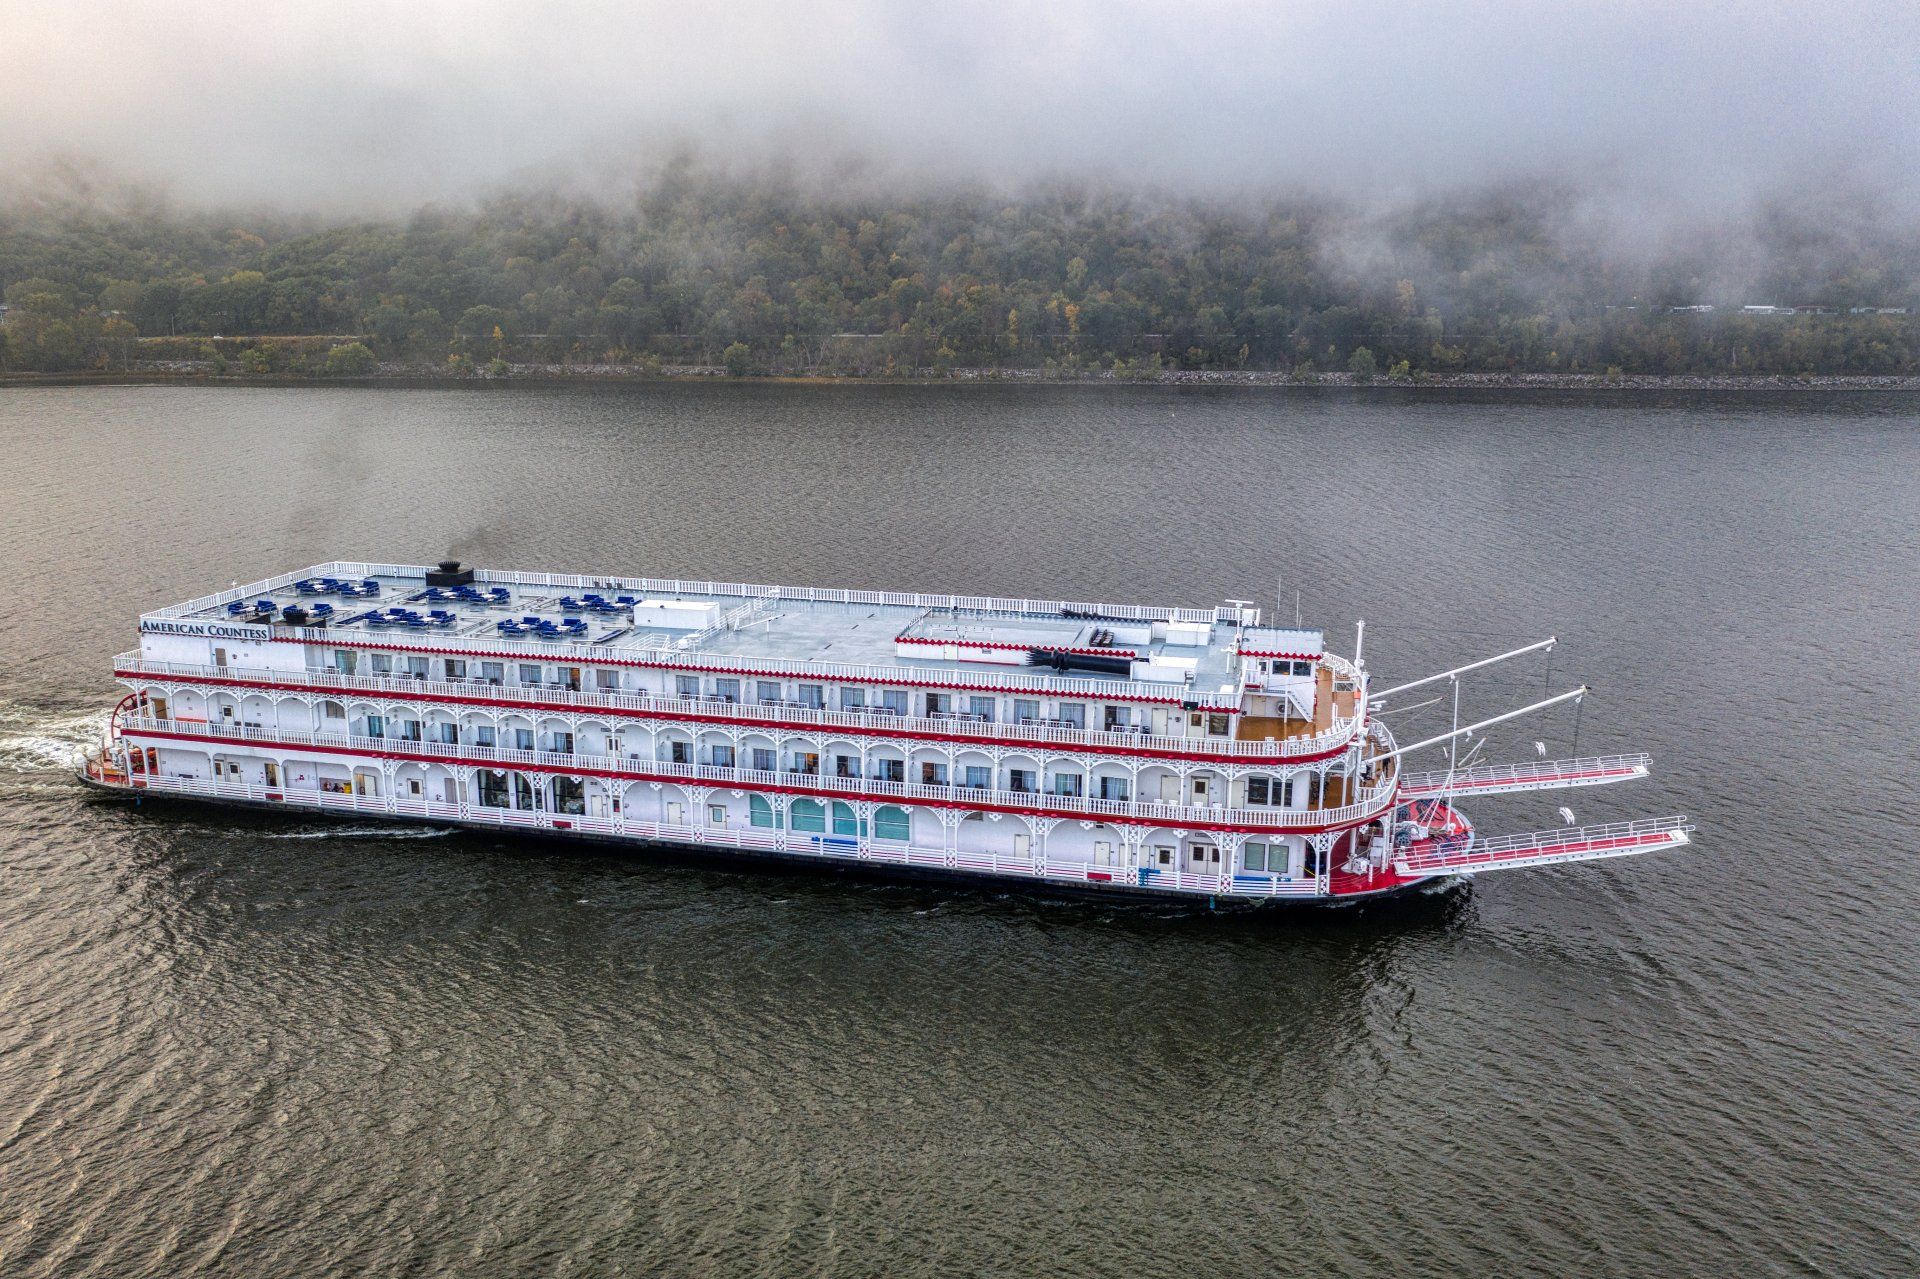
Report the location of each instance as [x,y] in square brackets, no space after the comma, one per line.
[198,373]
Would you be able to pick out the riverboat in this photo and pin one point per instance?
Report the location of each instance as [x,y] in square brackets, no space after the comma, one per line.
[1170,753]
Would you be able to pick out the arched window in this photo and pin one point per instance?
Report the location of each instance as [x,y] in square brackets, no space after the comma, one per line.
[891,823]
[807,815]
[760,812]
[333,710]
[844,822]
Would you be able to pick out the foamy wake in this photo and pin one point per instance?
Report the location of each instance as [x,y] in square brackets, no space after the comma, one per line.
[33,740]
[363,832]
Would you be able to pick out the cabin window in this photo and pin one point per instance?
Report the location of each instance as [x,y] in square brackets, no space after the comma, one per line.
[1025,711]
[812,696]
[606,680]
[844,821]
[344,660]
[895,700]
[529,674]
[1115,788]
[890,770]
[808,815]
[763,759]
[456,668]
[331,710]
[807,762]
[1163,854]
[716,814]
[1253,856]
[846,766]
[382,663]
[981,708]
[890,822]
[686,685]
[1257,789]
[853,699]
[761,813]
[1073,714]
[722,755]
[413,786]
[679,752]
[978,777]
[933,774]
[1303,668]
[450,734]
[939,703]
[767,690]
[1217,725]
[727,689]
[1066,784]
[376,726]
[1115,719]
[416,667]
[523,739]
[1022,781]
[484,735]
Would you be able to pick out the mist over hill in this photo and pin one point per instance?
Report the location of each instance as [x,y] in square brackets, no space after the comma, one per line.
[880,186]
[766,271]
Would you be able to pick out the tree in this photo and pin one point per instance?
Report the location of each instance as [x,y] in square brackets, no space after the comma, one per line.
[350,359]
[738,358]
[1362,364]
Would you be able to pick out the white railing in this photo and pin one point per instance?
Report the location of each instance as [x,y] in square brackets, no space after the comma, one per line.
[676,586]
[669,658]
[761,715]
[1486,779]
[826,847]
[1374,800]
[1468,853]
[1611,832]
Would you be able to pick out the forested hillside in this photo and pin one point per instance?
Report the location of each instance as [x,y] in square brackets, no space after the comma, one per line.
[762,275]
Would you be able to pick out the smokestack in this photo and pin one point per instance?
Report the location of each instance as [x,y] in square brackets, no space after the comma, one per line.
[449,574]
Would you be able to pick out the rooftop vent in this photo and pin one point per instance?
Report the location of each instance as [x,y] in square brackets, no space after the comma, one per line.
[449,574]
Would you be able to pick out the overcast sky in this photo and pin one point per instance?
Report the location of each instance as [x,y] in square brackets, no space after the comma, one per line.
[338,104]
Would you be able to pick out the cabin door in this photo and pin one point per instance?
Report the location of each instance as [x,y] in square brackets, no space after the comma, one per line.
[1203,859]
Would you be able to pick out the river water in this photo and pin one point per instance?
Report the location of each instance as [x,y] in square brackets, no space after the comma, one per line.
[241,1046]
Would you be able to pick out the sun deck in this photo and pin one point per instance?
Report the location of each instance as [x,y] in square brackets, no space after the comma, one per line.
[1179,654]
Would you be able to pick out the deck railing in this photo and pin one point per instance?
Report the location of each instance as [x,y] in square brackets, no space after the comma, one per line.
[1479,777]
[826,847]
[1233,750]
[354,570]
[1371,803]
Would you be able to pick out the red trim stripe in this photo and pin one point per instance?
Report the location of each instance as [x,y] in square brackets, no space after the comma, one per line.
[508,703]
[641,775]
[475,654]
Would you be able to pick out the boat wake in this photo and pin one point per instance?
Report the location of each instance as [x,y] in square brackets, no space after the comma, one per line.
[363,832]
[34,739]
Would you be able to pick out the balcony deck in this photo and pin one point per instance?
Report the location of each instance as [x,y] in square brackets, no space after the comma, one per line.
[1327,705]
